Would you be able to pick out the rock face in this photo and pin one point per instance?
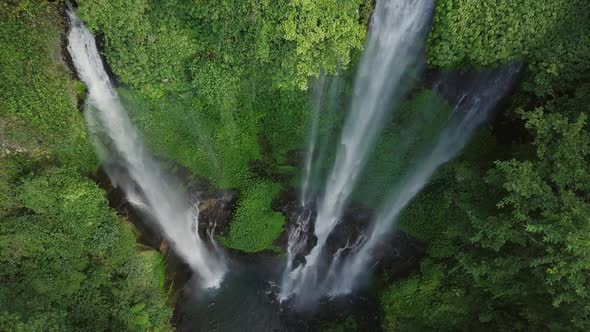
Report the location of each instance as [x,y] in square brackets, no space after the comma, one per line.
[215,210]
[212,210]
[398,254]
[216,206]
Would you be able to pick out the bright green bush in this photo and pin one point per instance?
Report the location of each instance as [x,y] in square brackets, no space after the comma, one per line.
[255,226]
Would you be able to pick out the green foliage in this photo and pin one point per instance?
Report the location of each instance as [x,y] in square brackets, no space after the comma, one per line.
[320,36]
[548,198]
[423,217]
[507,248]
[148,49]
[218,87]
[552,35]
[437,216]
[346,325]
[415,124]
[491,32]
[255,225]
[213,144]
[157,47]
[286,114]
[14,8]
[69,261]
[224,146]
[218,84]
[516,263]
[422,303]
[37,100]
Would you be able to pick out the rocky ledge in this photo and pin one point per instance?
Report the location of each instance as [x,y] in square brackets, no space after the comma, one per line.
[398,254]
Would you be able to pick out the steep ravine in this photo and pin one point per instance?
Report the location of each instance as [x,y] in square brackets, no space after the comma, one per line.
[401,255]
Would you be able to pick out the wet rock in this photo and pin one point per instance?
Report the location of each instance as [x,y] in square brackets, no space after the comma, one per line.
[147,233]
[216,208]
[398,254]
[163,248]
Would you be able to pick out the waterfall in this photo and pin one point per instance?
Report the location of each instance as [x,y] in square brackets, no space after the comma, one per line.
[472,109]
[394,41]
[325,94]
[317,106]
[131,166]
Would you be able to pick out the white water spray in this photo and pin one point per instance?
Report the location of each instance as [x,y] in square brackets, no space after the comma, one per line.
[472,109]
[391,54]
[324,119]
[315,122]
[146,185]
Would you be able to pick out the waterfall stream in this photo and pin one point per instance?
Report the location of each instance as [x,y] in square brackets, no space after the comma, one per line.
[471,110]
[394,41]
[131,166]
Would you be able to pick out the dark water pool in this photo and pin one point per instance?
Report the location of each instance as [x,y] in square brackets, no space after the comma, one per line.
[246,302]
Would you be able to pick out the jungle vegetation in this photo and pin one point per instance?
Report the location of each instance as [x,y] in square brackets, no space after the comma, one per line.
[222,88]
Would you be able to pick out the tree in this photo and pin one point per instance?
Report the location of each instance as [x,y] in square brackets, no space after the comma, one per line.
[551,36]
[514,265]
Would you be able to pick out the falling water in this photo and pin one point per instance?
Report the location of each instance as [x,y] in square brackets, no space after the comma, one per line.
[147,187]
[325,117]
[391,54]
[325,91]
[315,122]
[472,109]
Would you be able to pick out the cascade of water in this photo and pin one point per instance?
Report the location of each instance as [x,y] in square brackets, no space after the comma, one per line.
[472,109]
[317,105]
[146,185]
[326,103]
[298,236]
[393,44]
[325,91]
